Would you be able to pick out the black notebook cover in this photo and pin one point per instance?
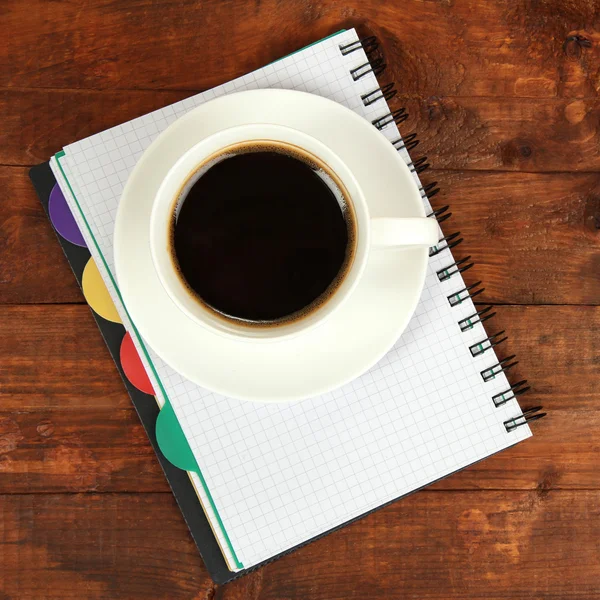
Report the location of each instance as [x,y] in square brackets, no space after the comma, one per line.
[145,404]
[148,410]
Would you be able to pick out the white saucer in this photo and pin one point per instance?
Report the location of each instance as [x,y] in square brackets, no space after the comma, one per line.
[364,328]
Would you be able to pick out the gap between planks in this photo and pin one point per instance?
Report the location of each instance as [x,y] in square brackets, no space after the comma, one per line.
[202,90]
[431,170]
[426,490]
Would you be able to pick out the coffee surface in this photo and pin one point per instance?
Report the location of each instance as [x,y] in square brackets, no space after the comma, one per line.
[262,237]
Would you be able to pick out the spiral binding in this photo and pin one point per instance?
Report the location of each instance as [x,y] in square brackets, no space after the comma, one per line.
[511,393]
[386,92]
[458,266]
[376,66]
[420,165]
[531,414]
[500,367]
[408,143]
[479,317]
[398,116]
[368,44]
[491,341]
[460,296]
[441,214]
[446,243]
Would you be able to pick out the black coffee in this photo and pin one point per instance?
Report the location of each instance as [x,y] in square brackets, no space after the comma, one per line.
[261,236]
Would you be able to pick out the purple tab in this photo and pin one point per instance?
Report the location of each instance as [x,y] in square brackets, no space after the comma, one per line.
[62,218]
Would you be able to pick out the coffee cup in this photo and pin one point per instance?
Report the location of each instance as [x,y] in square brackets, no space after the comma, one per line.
[175,262]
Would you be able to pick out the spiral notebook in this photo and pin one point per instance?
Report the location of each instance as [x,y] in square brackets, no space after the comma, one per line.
[272,477]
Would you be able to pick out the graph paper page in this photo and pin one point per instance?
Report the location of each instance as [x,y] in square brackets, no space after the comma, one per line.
[282,474]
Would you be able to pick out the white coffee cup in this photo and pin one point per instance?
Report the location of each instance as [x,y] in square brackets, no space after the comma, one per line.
[372,234]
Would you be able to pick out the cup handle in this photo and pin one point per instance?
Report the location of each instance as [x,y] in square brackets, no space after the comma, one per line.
[407,232]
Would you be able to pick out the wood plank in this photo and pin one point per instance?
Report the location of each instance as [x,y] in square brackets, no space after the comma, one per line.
[97,546]
[41,122]
[33,267]
[67,450]
[435,48]
[515,134]
[558,349]
[432,545]
[55,356]
[66,423]
[534,237]
[466,545]
[563,454]
[103,450]
[497,49]
[524,134]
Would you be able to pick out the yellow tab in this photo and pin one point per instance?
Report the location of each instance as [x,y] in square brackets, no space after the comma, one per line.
[96,294]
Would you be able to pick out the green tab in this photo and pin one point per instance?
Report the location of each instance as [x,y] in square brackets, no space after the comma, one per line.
[172,440]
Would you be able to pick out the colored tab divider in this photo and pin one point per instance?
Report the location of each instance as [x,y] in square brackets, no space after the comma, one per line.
[133,367]
[172,441]
[96,293]
[62,218]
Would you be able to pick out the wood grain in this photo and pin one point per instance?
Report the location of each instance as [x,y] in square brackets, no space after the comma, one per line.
[97,546]
[66,423]
[33,267]
[515,134]
[522,134]
[435,545]
[42,122]
[77,450]
[55,356]
[504,97]
[468,48]
[534,237]
[103,450]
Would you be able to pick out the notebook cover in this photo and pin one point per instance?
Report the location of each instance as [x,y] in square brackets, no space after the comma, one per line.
[43,181]
[147,409]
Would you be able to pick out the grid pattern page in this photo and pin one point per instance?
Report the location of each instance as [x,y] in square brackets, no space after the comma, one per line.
[280,475]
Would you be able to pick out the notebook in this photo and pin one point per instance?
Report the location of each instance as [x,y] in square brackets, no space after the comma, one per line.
[272,477]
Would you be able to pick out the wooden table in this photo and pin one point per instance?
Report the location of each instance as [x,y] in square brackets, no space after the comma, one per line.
[504,95]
